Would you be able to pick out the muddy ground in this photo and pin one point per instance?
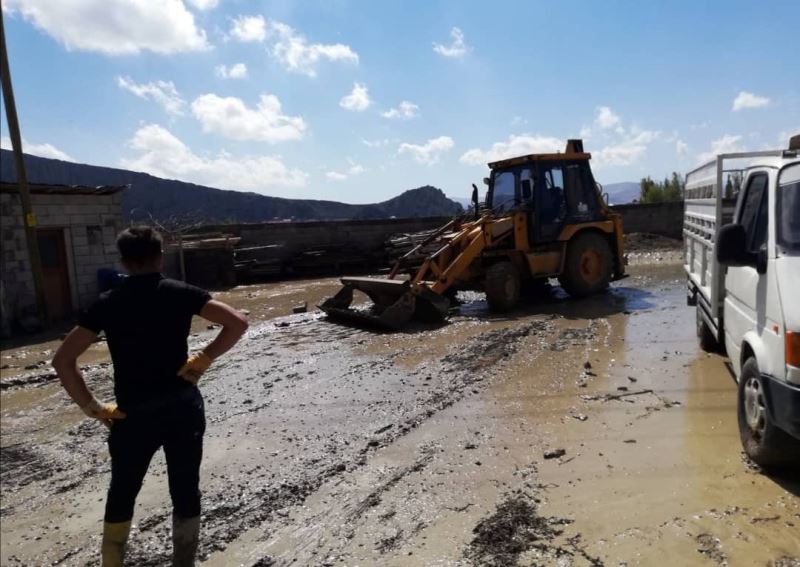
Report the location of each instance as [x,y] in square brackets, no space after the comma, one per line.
[588,432]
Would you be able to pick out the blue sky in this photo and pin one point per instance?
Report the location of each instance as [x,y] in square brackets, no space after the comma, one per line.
[357,101]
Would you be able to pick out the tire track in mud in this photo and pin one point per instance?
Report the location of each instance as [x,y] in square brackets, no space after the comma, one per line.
[235,392]
[464,367]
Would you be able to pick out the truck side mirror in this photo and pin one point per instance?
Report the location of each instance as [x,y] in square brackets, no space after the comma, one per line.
[731,248]
[527,190]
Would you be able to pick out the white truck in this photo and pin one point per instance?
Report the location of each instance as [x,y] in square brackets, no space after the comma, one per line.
[742,262]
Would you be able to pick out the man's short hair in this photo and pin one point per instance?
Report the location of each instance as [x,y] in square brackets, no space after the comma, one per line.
[139,244]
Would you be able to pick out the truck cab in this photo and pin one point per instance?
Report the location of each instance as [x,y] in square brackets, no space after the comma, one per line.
[761,310]
[756,314]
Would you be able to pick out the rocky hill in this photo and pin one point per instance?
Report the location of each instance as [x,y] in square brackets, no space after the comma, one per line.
[164,198]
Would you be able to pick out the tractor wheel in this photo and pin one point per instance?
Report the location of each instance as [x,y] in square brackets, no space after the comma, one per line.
[588,267]
[502,286]
[766,444]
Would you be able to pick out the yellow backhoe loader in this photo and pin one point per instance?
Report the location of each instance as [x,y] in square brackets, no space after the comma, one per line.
[544,216]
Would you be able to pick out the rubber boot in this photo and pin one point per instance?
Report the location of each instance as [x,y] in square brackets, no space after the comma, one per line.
[185,537]
[115,536]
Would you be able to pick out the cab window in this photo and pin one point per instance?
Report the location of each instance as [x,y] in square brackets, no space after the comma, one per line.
[579,190]
[753,214]
[504,195]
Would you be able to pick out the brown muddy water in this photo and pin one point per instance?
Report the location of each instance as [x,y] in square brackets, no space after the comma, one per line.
[588,432]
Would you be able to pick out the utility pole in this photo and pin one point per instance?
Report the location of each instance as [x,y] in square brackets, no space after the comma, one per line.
[29,218]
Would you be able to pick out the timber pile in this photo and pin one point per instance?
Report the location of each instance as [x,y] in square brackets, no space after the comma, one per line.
[275,260]
[257,261]
[398,245]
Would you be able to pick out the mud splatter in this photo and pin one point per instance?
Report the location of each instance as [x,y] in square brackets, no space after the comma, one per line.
[516,528]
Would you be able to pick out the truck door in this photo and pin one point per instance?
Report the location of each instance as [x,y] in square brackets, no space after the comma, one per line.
[745,288]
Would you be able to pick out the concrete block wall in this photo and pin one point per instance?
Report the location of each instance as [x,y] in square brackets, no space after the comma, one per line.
[665,219]
[365,236]
[90,224]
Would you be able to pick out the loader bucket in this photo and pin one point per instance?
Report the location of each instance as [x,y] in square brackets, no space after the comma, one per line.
[395,303]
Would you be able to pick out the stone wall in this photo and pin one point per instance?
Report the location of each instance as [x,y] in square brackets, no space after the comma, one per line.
[90,224]
[295,237]
[665,219]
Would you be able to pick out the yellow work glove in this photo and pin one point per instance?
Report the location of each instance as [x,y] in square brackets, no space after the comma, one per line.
[194,367]
[105,413]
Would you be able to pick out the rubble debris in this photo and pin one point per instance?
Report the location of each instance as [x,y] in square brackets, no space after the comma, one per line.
[514,528]
[711,547]
[302,308]
[554,453]
[609,397]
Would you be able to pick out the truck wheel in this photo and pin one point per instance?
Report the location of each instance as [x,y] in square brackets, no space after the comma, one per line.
[767,445]
[588,267]
[708,342]
[502,286]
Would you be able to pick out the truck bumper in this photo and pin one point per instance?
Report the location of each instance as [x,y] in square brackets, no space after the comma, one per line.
[783,404]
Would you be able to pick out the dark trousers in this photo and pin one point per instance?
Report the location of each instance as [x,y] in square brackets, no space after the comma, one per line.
[178,427]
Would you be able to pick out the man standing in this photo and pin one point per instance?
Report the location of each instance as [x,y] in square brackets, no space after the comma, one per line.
[147,320]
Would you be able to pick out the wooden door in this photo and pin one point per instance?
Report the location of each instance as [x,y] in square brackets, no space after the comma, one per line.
[55,271]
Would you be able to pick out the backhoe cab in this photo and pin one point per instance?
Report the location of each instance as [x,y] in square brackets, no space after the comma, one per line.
[544,216]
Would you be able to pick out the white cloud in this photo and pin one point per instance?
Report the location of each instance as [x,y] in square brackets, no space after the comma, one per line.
[356,169]
[162,93]
[352,171]
[230,117]
[335,176]
[605,118]
[294,52]
[513,147]
[203,4]
[376,143]
[358,99]
[405,110]
[681,147]
[430,152]
[290,48]
[749,100]
[249,28]
[235,71]
[457,48]
[724,145]
[41,150]
[626,151]
[164,155]
[115,27]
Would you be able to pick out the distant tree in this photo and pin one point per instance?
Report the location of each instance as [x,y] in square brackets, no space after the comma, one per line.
[671,189]
[729,188]
[737,182]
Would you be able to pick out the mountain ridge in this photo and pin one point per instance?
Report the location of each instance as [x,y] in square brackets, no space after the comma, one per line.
[165,198]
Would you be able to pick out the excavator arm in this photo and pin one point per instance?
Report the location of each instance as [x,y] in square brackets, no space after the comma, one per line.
[396,301]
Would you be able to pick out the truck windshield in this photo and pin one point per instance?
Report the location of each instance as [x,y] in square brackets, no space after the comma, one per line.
[788,209]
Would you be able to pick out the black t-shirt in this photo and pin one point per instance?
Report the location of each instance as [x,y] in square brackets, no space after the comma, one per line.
[146,319]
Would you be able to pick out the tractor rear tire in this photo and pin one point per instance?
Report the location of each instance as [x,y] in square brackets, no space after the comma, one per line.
[502,286]
[588,267]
